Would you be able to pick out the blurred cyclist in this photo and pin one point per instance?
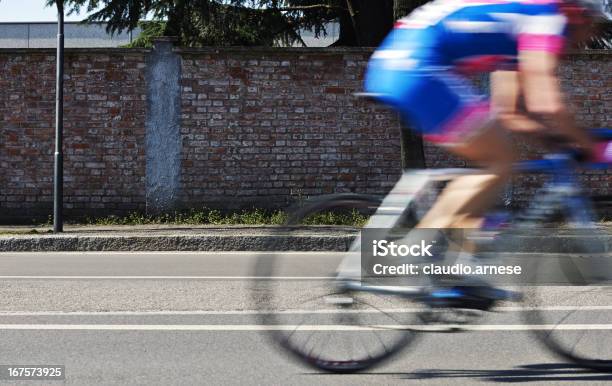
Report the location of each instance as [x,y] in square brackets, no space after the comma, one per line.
[419,70]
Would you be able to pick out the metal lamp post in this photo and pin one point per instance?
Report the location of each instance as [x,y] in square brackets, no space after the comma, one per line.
[58,170]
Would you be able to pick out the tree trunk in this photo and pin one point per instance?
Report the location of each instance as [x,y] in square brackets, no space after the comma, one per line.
[402,8]
[372,21]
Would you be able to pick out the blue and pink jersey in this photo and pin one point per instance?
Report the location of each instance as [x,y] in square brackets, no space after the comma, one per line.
[475,34]
[417,68]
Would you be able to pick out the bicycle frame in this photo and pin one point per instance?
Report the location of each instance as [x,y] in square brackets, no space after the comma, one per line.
[561,187]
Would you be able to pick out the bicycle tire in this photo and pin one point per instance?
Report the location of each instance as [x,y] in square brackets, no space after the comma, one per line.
[363,310]
[577,303]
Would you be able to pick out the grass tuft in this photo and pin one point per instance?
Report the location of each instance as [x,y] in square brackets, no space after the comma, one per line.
[216,217]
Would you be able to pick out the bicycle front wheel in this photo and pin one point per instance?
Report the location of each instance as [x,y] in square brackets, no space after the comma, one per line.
[320,321]
[573,319]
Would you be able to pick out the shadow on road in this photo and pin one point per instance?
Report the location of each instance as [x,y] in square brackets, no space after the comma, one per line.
[551,372]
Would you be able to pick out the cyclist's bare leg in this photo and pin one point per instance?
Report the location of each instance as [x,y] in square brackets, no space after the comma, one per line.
[466,199]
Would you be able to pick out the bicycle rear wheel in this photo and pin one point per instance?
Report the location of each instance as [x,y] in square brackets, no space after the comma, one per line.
[573,319]
[320,321]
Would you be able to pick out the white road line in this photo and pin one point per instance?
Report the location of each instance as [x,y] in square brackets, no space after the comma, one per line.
[75,277]
[254,327]
[284,312]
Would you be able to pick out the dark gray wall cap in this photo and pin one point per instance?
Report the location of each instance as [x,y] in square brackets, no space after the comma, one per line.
[275,50]
[68,51]
[50,22]
[321,50]
[222,50]
[165,39]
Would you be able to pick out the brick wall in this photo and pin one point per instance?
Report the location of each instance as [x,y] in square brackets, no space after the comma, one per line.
[264,127]
[104,132]
[259,127]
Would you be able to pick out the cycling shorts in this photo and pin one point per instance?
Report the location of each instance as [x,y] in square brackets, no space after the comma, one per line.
[438,103]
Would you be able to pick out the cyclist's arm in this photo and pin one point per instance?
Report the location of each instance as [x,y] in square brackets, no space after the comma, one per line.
[543,95]
[505,93]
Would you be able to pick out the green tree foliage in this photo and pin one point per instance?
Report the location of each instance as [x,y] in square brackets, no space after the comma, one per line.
[149,31]
[259,22]
[602,40]
[242,22]
[194,22]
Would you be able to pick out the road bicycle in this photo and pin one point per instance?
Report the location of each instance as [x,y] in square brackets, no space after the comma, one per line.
[339,323]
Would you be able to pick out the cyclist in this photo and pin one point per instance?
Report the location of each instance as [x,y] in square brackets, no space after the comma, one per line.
[420,69]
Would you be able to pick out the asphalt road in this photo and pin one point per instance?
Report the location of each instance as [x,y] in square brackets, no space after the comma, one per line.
[190,318]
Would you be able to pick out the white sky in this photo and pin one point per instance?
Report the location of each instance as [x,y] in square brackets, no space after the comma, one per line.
[30,10]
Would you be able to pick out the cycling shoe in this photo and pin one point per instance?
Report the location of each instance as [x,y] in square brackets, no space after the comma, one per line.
[470,297]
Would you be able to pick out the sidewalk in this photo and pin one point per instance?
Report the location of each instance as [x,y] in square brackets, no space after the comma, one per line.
[251,238]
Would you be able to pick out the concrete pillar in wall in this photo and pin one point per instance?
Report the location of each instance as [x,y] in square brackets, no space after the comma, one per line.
[163,134]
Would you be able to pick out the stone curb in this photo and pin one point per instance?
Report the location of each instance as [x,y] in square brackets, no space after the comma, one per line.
[176,243]
[257,243]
